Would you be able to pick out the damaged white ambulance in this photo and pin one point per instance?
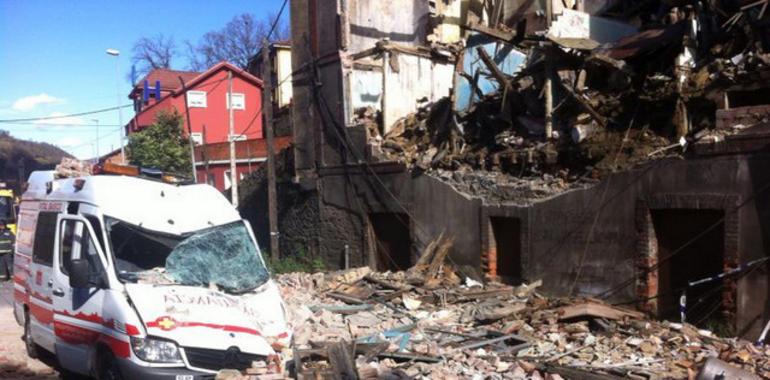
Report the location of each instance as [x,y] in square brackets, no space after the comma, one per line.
[123,277]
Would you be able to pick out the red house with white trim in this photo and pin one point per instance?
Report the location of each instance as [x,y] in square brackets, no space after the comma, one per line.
[208,111]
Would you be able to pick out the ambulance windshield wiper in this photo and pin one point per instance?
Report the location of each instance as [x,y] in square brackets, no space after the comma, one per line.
[238,292]
[128,276]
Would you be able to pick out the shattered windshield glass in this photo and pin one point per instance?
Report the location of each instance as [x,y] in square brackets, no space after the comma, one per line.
[224,256]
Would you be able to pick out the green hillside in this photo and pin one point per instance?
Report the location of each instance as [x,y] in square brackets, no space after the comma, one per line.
[19,157]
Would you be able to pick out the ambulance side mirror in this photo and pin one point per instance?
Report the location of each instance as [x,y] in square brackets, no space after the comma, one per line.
[80,272]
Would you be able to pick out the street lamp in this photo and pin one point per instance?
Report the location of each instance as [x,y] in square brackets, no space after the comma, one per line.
[97,137]
[116,53]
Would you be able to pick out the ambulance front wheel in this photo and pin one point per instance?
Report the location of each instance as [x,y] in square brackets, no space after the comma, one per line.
[29,344]
[108,367]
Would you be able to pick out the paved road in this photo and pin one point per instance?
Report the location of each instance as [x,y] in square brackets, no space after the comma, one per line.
[14,363]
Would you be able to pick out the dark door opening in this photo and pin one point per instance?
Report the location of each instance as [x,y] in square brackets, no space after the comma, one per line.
[507,239]
[703,257]
[392,241]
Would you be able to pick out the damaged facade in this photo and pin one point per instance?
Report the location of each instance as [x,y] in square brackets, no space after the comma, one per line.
[613,149]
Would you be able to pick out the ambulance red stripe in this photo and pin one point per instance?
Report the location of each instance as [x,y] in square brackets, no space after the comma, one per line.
[228,328]
[20,297]
[81,335]
[95,318]
[40,313]
[42,297]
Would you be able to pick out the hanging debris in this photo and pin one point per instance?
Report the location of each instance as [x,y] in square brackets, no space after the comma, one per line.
[605,87]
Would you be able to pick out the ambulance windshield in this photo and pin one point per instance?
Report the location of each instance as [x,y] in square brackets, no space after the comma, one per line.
[224,256]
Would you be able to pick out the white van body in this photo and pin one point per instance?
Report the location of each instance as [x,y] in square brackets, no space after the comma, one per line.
[137,316]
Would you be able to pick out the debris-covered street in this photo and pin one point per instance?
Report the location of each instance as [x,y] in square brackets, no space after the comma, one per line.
[430,323]
[14,362]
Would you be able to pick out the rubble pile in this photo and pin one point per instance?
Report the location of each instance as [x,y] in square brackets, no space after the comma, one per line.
[630,82]
[431,322]
[70,167]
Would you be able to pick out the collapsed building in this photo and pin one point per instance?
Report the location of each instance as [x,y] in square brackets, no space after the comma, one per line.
[614,149]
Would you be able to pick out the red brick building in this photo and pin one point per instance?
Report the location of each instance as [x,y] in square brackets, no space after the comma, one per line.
[208,109]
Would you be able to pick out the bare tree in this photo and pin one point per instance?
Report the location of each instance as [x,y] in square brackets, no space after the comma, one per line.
[153,53]
[237,42]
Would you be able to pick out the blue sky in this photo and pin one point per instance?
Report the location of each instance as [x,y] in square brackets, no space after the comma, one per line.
[53,60]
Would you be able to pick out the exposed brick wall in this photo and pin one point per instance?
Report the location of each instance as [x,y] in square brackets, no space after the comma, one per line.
[488,244]
[742,115]
[647,279]
[647,246]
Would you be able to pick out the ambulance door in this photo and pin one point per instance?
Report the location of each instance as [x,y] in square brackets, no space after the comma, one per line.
[40,281]
[79,283]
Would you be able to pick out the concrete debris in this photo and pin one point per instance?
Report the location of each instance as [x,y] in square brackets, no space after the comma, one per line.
[558,107]
[412,328]
[70,167]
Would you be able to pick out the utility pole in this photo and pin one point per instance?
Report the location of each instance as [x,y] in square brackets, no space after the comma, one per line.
[267,111]
[189,131]
[205,154]
[116,53]
[233,172]
[548,86]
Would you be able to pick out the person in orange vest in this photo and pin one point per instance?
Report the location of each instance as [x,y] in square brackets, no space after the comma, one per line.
[7,241]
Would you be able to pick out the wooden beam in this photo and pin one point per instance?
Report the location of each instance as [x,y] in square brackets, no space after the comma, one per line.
[492,32]
[492,341]
[591,111]
[493,69]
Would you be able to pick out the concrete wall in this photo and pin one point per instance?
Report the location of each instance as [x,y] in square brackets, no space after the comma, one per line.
[589,241]
[365,89]
[582,242]
[400,21]
[410,79]
[433,208]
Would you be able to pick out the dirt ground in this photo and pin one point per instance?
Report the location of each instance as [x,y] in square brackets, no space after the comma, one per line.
[14,363]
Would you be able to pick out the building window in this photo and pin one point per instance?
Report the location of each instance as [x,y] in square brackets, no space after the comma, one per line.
[228,182]
[196,99]
[239,101]
[197,138]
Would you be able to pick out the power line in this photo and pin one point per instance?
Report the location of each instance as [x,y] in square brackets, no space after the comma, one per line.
[590,235]
[741,271]
[259,112]
[35,124]
[631,280]
[63,116]
[277,18]
[89,142]
[347,145]
[272,29]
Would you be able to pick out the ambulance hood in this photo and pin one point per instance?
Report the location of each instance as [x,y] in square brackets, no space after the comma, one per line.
[201,317]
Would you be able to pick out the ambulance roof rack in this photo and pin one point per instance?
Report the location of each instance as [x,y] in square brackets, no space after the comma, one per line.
[138,171]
